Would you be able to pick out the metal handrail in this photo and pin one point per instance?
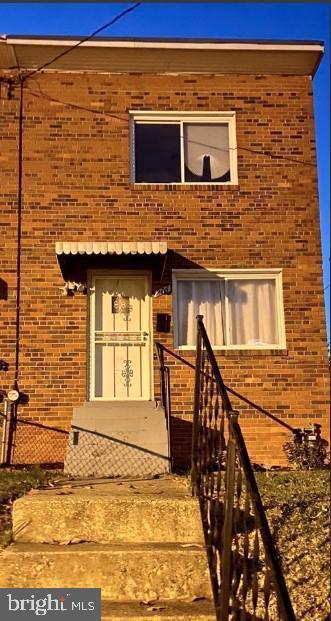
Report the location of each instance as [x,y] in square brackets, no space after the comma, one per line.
[274,564]
[217,374]
[236,526]
[165,395]
[233,392]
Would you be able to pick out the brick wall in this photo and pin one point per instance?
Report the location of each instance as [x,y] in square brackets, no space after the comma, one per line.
[76,186]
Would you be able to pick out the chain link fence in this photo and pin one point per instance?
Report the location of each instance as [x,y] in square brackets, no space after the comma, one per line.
[81,452]
[26,442]
[91,453]
[34,443]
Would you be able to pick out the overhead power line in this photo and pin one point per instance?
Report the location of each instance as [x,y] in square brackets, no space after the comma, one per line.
[69,104]
[25,77]
[73,47]
[274,156]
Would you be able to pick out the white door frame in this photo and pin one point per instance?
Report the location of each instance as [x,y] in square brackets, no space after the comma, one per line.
[91,274]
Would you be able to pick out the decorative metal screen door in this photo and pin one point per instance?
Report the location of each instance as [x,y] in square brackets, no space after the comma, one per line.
[120,337]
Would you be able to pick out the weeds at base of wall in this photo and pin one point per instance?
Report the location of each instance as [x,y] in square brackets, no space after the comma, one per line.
[306,450]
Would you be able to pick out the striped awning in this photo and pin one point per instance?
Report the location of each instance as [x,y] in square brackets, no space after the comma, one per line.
[97,247]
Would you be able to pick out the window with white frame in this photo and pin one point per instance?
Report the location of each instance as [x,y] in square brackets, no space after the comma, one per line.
[241,309]
[183,147]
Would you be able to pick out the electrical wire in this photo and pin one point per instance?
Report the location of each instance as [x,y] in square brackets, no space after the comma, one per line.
[23,78]
[115,19]
[69,104]
[275,156]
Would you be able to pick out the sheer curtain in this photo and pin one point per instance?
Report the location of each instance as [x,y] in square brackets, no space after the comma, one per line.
[253,313]
[211,140]
[200,297]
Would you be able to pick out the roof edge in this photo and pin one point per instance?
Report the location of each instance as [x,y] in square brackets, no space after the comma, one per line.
[159,42]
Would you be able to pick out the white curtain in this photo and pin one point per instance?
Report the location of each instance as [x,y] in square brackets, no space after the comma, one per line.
[212,140]
[253,313]
[200,297]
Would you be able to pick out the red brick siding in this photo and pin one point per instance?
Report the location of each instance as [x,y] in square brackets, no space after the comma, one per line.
[76,186]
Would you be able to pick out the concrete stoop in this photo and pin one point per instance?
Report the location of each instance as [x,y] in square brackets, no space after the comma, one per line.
[141,542]
[118,438]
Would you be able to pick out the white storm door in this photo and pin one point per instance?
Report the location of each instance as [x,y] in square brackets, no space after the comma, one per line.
[120,337]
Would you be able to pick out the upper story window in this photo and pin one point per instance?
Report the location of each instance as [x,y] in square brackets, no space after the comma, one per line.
[183,147]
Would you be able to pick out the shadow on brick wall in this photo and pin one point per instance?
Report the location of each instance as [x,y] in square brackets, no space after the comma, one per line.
[181,443]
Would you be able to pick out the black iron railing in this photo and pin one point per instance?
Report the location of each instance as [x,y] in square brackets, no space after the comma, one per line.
[162,350]
[247,579]
[165,393]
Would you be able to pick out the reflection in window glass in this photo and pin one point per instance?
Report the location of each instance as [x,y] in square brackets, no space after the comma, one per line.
[157,153]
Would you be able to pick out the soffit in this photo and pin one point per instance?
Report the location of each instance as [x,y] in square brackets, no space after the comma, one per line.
[114,56]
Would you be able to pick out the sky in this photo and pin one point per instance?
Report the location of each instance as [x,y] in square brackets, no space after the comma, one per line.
[202,19]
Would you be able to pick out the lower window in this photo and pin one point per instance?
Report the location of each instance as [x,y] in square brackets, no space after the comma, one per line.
[240,309]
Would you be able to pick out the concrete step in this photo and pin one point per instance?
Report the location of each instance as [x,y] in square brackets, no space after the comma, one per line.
[109,425]
[141,420]
[120,405]
[138,572]
[201,610]
[134,412]
[136,511]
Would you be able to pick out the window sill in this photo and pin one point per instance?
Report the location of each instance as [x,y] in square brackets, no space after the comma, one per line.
[235,353]
[184,186]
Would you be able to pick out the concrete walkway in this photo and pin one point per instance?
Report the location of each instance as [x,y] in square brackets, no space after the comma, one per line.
[140,541]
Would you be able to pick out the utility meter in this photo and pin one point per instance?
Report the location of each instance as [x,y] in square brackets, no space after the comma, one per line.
[13,395]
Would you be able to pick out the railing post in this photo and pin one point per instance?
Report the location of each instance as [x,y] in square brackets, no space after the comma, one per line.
[168,412]
[221,495]
[226,557]
[160,356]
[165,395]
[195,475]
